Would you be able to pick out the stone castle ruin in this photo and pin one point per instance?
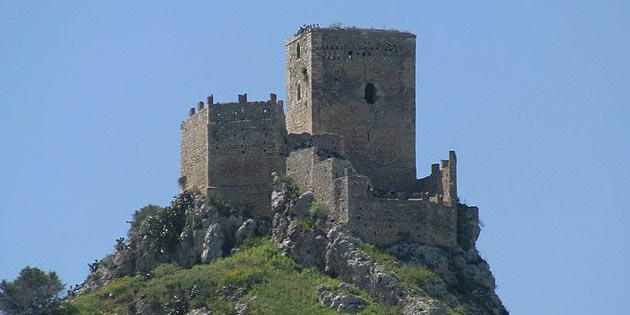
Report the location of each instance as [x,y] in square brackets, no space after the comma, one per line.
[348,137]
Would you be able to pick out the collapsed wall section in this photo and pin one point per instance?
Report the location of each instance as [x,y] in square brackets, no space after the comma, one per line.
[350,199]
[442,183]
[246,144]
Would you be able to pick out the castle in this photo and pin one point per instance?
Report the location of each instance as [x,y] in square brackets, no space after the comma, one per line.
[348,136]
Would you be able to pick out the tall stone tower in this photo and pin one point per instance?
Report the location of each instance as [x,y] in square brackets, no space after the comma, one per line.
[359,83]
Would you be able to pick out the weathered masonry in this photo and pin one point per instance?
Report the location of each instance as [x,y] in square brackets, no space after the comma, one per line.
[232,149]
[349,137]
[358,83]
[424,217]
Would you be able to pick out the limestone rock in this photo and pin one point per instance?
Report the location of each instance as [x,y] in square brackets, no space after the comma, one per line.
[199,311]
[424,306]
[300,207]
[342,303]
[242,308]
[306,247]
[212,243]
[247,229]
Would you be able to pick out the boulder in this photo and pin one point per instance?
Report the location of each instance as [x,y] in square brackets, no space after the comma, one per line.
[301,206]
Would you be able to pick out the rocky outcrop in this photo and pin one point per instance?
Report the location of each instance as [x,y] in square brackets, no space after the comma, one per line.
[188,232]
[191,231]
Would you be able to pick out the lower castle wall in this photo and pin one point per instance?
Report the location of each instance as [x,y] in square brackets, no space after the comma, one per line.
[386,221]
[380,221]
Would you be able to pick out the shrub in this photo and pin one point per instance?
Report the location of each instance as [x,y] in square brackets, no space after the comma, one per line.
[307,224]
[293,191]
[317,209]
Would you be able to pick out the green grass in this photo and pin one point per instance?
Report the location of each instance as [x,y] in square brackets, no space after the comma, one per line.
[410,276]
[280,284]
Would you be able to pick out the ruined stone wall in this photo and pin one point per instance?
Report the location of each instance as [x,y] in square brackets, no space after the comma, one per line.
[194,151]
[315,172]
[387,221]
[246,144]
[349,199]
[378,128]
[300,165]
[442,183]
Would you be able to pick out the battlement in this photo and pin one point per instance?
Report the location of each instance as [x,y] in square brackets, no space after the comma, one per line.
[306,29]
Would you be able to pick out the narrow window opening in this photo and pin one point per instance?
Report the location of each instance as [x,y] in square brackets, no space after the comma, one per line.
[299,92]
[297,50]
[370,93]
[368,134]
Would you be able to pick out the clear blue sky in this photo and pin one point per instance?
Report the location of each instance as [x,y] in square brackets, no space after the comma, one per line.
[534,97]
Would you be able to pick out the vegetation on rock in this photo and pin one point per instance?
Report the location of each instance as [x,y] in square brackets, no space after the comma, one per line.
[258,276]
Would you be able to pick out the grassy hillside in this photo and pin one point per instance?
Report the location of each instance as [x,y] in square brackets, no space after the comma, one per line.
[280,286]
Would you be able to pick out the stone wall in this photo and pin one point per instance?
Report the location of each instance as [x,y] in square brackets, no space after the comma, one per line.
[358,83]
[349,199]
[332,143]
[246,144]
[194,151]
[386,221]
[442,183]
[233,148]
[298,84]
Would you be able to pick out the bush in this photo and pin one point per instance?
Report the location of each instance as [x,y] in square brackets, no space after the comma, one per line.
[164,225]
[317,209]
[307,224]
[293,191]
